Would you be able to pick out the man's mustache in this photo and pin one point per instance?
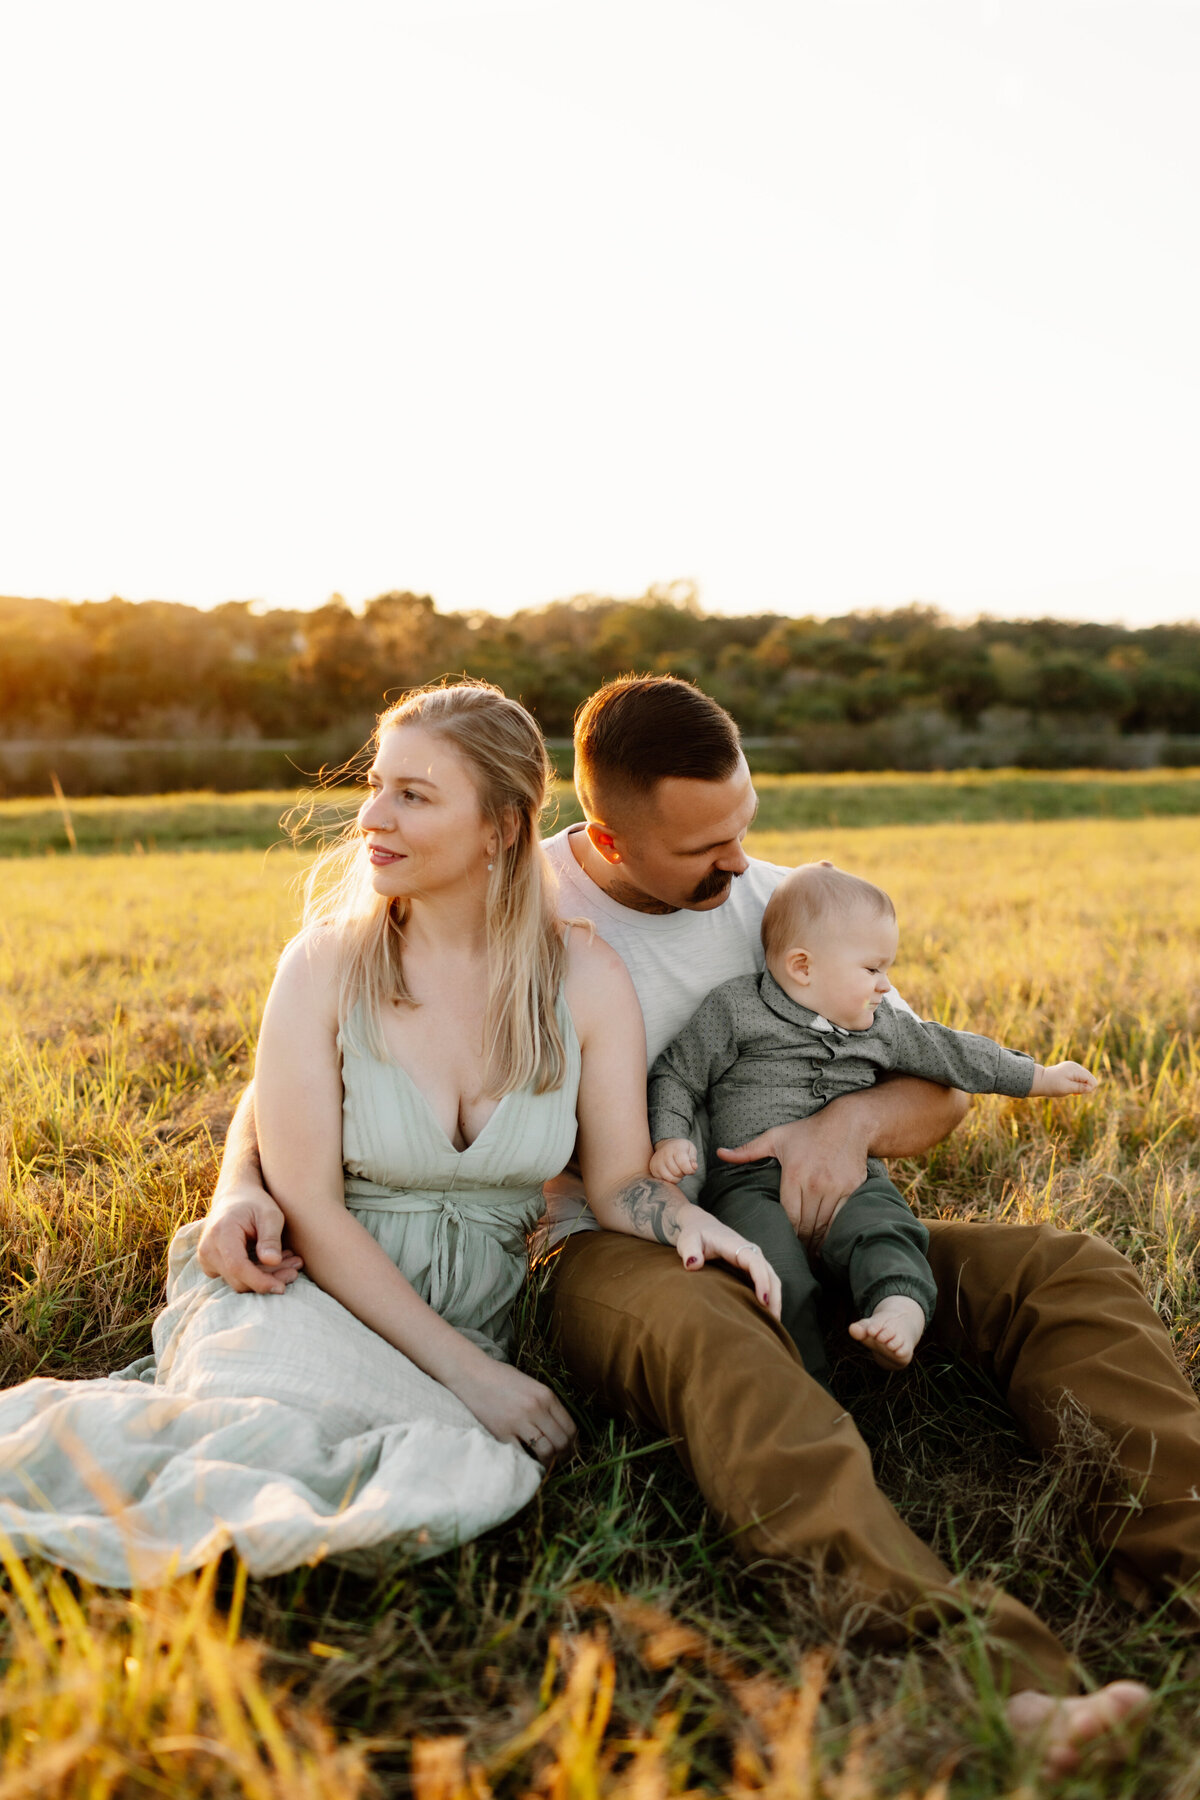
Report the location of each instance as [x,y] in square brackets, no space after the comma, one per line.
[714,883]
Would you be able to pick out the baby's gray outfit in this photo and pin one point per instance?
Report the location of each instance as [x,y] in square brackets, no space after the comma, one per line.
[759,1059]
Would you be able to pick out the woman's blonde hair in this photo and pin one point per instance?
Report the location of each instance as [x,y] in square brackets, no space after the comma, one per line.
[506,757]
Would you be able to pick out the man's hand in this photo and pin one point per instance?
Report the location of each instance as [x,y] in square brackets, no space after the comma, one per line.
[822,1160]
[242,1243]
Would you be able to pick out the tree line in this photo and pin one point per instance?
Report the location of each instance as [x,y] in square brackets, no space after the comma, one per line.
[905,688]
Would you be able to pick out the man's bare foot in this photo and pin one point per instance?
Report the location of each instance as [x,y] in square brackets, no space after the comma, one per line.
[892,1332]
[1063,1729]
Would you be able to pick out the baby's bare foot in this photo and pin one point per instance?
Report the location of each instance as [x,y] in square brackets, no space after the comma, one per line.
[1063,1729]
[892,1332]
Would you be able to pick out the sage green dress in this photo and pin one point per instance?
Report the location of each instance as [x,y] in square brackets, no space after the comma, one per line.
[279,1424]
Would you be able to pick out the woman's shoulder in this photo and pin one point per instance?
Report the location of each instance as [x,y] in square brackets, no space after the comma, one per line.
[596,979]
[310,964]
[588,956]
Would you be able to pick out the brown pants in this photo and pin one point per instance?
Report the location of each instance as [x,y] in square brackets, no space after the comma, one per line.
[1046,1313]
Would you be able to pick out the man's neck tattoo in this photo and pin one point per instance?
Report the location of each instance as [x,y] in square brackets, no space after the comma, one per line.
[625,894]
[612,883]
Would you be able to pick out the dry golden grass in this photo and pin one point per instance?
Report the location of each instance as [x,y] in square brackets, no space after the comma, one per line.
[607,1643]
[130,993]
[106,1696]
[153,1695]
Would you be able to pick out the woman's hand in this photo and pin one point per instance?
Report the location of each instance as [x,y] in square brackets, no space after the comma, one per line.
[702,1238]
[647,1208]
[516,1409]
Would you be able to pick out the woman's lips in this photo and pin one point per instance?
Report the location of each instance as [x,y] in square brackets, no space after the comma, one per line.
[381,857]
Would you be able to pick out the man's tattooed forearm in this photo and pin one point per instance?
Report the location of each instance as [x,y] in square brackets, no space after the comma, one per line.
[651,1205]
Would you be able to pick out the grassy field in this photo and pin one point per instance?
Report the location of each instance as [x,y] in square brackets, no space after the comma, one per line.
[607,1642]
[788,803]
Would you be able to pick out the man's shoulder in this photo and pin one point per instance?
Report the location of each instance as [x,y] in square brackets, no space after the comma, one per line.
[557,850]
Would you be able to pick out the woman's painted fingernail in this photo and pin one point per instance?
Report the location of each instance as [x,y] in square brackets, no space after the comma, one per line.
[693,1262]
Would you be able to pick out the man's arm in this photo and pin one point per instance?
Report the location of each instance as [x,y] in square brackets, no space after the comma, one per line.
[242,1236]
[905,1115]
[824,1158]
[240,1165]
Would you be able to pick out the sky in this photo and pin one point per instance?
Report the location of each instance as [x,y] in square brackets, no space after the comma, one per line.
[819,303]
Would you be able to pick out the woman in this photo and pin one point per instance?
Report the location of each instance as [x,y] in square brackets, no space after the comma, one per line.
[434,1045]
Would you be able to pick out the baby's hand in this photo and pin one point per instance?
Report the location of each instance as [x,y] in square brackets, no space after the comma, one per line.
[673,1159]
[1061,1079]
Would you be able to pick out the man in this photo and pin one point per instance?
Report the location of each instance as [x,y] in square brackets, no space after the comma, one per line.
[660,869]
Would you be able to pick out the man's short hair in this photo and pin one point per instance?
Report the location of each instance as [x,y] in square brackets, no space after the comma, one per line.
[641,729]
[808,897]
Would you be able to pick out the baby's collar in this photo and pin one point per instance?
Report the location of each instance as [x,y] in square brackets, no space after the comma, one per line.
[787,1008]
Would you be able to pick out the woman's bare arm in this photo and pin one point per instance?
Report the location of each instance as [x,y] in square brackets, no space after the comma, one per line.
[614,1135]
[298,1106]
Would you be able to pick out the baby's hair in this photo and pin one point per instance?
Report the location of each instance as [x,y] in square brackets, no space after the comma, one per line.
[807,896]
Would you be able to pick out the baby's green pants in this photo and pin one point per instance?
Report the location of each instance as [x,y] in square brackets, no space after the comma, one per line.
[874,1247]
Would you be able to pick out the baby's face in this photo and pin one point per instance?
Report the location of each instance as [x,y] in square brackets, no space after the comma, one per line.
[842,972]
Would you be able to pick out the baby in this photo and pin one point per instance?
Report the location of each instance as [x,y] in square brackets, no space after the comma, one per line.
[764,1049]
